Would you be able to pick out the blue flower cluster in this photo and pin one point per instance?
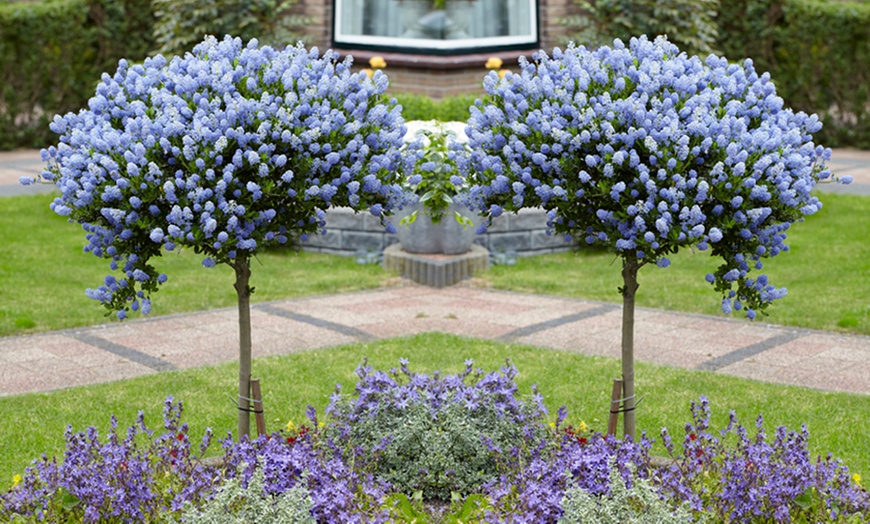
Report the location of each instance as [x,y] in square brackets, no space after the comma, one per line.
[228,149]
[644,150]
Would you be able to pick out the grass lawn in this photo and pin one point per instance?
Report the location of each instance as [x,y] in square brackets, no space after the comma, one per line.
[44,274]
[34,423]
[826,272]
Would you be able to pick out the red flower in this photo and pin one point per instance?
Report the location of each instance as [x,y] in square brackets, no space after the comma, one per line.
[180,436]
[291,440]
[582,441]
[692,436]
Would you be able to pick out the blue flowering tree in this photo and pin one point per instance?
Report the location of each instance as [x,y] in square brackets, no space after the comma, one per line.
[645,151]
[228,150]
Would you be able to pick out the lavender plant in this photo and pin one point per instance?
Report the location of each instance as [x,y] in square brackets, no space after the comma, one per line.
[638,503]
[756,479]
[533,490]
[645,151]
[228,150]
[340,491]
[117,479]
[436,434]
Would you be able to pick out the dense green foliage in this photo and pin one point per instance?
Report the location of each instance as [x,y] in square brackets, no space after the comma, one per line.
[235,503]
[181,24]
[52,55]
[818,54]
[637,504]
[449,109]
[690,24]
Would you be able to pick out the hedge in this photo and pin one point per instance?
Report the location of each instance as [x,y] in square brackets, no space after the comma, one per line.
[52,55]
[817,52]
[451,108]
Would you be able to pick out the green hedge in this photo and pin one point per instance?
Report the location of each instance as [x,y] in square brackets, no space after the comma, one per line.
[52,54]
[421,107]
[818,53]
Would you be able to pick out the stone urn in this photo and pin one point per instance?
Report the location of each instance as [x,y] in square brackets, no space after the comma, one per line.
[447,237]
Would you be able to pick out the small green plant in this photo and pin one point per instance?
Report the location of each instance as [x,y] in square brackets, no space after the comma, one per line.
[638,504]
[234,503]
[436,179]
[408,509]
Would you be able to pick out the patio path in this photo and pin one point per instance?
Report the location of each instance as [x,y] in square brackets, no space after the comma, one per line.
[54,360]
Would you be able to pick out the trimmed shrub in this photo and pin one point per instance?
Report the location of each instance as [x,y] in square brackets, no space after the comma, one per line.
[52,55]
[449,109]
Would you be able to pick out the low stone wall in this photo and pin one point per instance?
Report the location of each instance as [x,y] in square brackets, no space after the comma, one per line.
[348,233]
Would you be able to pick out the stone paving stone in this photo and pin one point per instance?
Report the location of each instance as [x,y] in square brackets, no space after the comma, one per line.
[815,359]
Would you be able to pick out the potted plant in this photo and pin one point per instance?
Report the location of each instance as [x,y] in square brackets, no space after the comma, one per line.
[435,222]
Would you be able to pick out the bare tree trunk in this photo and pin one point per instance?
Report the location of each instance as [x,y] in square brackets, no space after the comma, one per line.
[243,274]
[629,289]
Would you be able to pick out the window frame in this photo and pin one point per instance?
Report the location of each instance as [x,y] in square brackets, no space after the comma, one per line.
[425,46]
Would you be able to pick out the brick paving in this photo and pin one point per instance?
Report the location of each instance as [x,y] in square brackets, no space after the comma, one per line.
[90,355]
[117,351]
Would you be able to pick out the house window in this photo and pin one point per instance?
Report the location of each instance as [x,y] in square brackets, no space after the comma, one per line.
[436,26]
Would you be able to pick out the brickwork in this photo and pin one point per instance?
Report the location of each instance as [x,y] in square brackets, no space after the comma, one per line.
[435,76]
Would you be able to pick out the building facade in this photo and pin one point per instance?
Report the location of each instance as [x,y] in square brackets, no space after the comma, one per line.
[436,47]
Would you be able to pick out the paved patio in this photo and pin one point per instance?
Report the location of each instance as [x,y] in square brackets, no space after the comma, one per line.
[77,357]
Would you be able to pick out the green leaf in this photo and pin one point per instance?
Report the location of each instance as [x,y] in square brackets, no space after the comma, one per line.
[68,501]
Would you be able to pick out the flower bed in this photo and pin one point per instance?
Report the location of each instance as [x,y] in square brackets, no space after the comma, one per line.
[468,442]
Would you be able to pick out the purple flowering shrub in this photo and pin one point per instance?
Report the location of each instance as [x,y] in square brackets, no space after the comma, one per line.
[438,434]
[736,477]
[644,150]
[348,475]
[225,150]
[341,491]
[118,479]
[532,490]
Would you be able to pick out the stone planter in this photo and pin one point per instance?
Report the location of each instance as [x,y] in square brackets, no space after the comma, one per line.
[447,237]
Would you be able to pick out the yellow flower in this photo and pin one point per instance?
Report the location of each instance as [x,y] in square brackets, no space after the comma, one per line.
[857,478]
[502,72]
[289,426]
[368,72]
[320,424]
[16,480]
[582,426]
[494,62]
[553,425]
[377,62]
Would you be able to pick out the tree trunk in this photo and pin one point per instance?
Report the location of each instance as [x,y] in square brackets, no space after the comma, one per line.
[243,274]
[629,279]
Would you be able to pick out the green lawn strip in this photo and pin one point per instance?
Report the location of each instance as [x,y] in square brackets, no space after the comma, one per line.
[44,274]
[35,423]
[826,273]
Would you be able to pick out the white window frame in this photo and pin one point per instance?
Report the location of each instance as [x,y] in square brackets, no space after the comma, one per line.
[437,46]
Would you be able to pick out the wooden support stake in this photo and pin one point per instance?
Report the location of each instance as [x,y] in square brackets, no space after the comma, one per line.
[257,398]
[615,405]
